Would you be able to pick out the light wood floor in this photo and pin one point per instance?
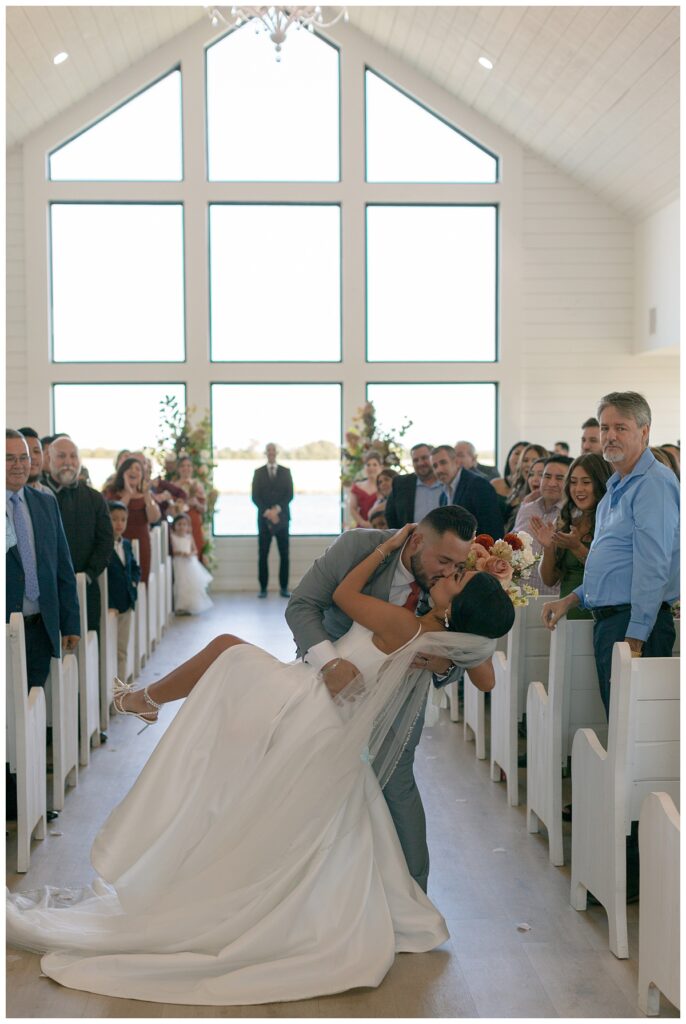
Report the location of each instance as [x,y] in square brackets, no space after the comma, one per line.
[561,967]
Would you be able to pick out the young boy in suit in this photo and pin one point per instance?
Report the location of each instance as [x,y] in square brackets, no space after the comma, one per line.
[123,575]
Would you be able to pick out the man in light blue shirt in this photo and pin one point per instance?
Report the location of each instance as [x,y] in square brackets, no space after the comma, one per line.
[631,577]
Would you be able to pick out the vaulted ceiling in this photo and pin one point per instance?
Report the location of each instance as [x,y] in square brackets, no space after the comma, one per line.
[592,90]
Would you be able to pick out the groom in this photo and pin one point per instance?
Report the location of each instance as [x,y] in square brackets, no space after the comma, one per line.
[438,547]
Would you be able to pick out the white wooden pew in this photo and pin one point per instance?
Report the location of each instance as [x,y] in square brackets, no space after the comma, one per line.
[88,658]
[62,700]
[25,729]
[475,717]
[608,786]
[140,625]
[161,582]
[658,926]
[168,579]
[108,651]
[526,659]
[572,702]
[153,591]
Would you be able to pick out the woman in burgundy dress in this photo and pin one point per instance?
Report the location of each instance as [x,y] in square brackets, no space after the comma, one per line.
[130,488]
[196,500]
[364,494]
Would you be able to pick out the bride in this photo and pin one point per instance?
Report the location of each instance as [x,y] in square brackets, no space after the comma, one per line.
[254,860]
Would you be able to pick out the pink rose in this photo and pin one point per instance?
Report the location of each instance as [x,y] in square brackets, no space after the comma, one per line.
[482,556]
[499,568]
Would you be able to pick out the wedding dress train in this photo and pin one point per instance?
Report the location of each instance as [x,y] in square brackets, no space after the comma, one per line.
[247,864]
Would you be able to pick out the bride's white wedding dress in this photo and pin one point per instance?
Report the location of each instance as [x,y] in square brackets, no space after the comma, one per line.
[246,865]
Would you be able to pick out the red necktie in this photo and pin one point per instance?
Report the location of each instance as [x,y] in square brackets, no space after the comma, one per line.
[413,597]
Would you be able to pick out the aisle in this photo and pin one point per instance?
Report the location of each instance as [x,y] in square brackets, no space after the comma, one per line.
[561,967]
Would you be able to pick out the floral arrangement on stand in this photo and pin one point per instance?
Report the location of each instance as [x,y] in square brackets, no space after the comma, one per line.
[363,436]
[178,439]
[510,560]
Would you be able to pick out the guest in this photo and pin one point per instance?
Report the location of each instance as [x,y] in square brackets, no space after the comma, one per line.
[631,577]
[118,459]
[191,578]
[384,484]
[169,496]
[520,487]
[467,489]
[466,456]
[45,445]
[364,494]
[534,482]
[86,521]
[377,519]
[84,475]
[560,448]
[547,508]
[590,437]
[39,576]
[503,484]
[665,456]
[123,576]
[196,501]
[130,489]
[272,492]
[36,452]
[414,495]
[565,544]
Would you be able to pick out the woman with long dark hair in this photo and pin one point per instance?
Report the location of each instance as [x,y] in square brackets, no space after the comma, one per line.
[131,488]
[565,544]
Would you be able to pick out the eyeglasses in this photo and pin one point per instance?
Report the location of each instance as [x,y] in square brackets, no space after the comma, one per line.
[13,459]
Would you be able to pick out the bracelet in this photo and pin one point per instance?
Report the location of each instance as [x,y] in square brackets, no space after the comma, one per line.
[380,551]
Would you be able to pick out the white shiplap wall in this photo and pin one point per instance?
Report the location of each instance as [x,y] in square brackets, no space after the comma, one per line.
[17,378]
[577,312]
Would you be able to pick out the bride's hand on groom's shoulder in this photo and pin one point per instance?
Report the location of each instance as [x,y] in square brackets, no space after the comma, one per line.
[399,537]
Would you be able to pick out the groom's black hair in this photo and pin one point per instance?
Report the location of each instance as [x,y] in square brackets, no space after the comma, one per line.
[482,608]
[451,519]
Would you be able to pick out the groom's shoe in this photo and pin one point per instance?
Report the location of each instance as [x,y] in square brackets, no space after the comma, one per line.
[262,593]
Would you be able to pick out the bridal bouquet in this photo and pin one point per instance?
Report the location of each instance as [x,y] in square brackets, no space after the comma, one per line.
[510,560]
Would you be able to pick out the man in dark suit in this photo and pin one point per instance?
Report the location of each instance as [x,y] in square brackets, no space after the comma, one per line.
[466,457]
[40,580]
[86,520]
[466,488]
[413,495]
[272,492]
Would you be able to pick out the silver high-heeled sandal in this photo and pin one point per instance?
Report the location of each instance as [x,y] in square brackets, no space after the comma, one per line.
[121,690]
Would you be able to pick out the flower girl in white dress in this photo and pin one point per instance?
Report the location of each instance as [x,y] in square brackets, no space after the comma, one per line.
[191,578]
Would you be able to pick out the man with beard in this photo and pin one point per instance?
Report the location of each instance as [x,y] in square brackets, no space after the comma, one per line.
[438,547]
[413,495]
[86,520]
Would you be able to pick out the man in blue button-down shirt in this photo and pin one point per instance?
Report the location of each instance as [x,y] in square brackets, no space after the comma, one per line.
[631,575]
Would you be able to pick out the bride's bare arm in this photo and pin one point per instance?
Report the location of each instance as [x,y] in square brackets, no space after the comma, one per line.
[392,625]
[483,675]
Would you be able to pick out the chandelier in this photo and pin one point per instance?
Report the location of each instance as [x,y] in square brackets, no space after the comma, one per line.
[276,21]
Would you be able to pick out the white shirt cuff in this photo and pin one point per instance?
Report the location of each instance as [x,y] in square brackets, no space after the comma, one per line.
[320,654]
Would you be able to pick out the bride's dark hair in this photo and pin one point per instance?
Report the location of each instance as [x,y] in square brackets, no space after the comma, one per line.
[482,608]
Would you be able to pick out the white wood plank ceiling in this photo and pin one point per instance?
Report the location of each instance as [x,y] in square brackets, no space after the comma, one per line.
[593,90]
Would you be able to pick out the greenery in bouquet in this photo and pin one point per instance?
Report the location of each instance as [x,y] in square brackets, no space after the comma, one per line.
[365,435]
[510,560]
[179,438]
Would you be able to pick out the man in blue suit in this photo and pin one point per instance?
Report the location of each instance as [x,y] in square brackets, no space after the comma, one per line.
[466,488]
[40,580]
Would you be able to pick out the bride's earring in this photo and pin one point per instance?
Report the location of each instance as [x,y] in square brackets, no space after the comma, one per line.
[446,620]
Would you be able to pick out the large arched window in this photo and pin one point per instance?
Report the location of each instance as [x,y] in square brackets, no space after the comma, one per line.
[277,242]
